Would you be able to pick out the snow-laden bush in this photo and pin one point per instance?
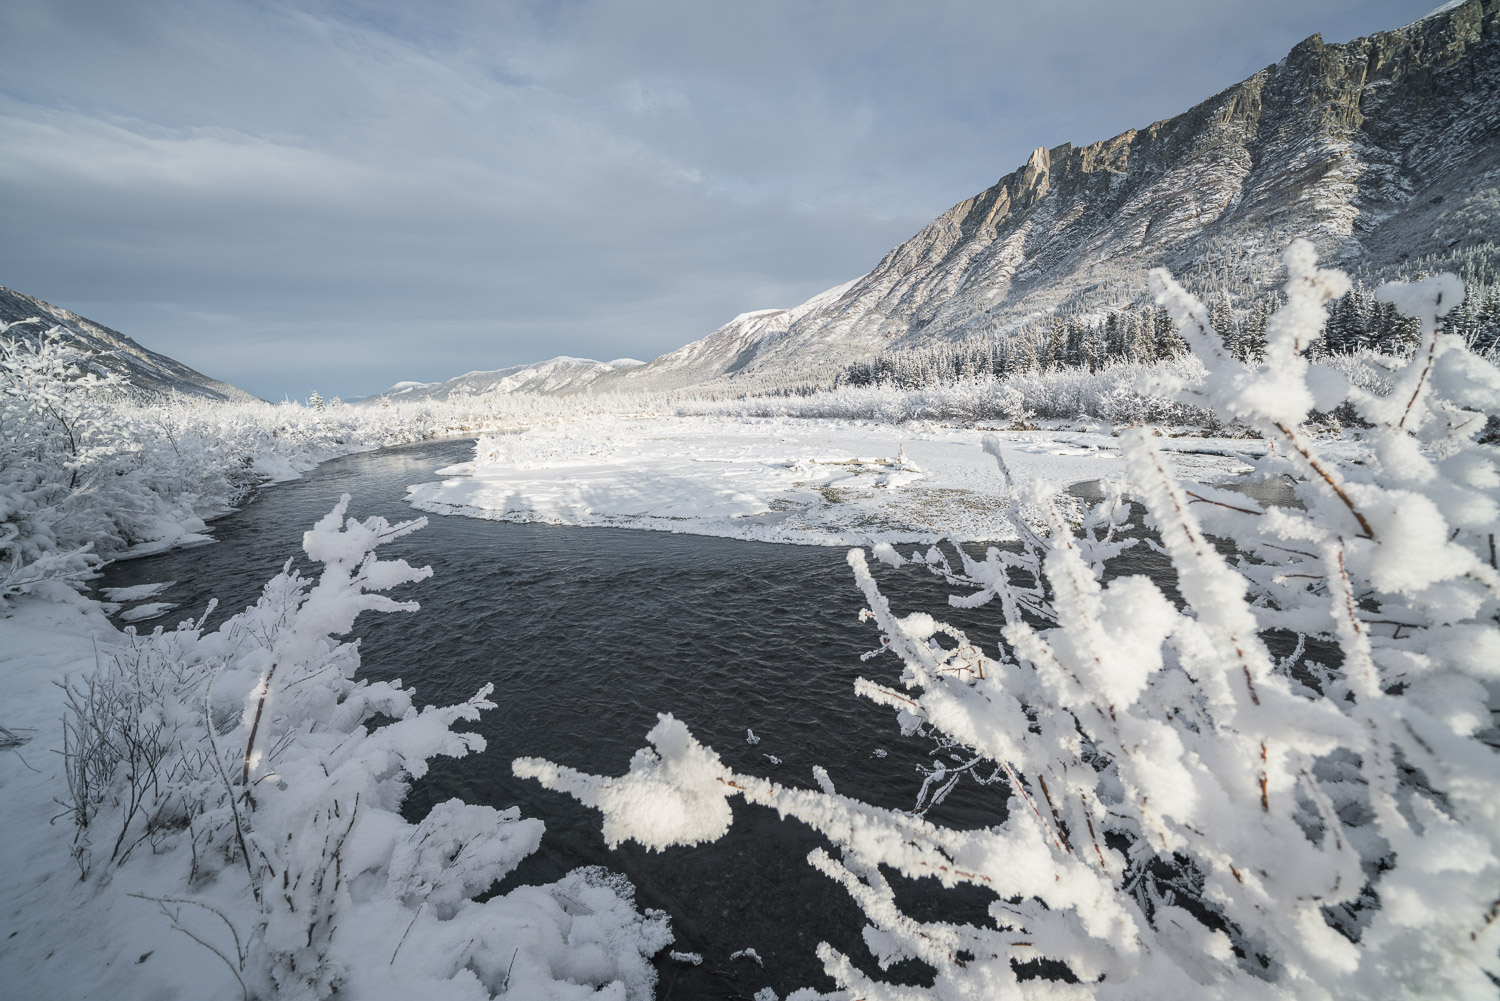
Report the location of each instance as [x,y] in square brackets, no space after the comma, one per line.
[56,443]
[1284,785]
[88,471]
[254,755]
[1112,393]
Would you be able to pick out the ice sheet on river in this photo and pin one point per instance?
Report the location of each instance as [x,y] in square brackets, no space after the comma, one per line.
[821,482]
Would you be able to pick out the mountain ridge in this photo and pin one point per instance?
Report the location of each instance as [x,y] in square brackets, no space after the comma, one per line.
[555,376]
[1378,149]
[151,373]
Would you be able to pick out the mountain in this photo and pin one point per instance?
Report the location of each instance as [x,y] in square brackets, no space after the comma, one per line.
[554,376]
[151,374]
[725,352]
[1380,149]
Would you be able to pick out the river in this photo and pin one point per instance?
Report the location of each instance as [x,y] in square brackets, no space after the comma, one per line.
[587,634]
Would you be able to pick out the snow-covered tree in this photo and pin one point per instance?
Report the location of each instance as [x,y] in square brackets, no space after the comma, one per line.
[57,438]
[50,410]
[1284,785]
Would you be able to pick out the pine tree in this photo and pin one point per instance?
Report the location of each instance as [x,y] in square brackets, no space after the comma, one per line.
[1022,354]
[1073,357]
[1142,338]
[1221,316]
[1342,331]
[1057,343]
[1252,341]
[1115,344]
[1169,343]
[1095,348]
[1486,336]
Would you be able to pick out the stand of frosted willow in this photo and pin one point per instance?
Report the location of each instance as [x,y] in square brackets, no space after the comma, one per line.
[1189,815]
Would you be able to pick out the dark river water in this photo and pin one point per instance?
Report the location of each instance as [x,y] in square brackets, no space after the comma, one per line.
[587,634]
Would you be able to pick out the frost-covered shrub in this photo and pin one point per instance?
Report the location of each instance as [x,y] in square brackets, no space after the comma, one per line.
[255,755]
[1112,393]
[1284,785]
[56,443]
[87,471]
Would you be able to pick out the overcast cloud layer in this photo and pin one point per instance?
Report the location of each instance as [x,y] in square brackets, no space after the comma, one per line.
[341,195]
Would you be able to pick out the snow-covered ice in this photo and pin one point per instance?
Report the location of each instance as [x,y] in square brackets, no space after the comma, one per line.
[140,592]
[818,482]
[150,610]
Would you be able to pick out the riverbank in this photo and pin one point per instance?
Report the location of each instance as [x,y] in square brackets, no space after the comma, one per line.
[793,480]
[61,937]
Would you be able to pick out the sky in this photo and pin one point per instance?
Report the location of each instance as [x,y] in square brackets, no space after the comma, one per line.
[341,195]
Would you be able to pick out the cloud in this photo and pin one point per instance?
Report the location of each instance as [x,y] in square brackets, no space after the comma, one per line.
[364,192]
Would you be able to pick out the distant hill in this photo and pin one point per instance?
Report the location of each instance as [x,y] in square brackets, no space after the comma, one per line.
[725,352]
[556,375]
[151,374]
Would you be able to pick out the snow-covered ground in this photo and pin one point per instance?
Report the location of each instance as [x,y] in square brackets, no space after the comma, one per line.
[64,938]
[816,482]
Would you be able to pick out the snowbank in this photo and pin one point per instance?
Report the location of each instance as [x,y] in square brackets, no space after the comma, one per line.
[815,482]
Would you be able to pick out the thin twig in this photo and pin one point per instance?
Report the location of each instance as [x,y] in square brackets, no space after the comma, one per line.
[175,918]
[1205,500]
[409,924]
[1327,477]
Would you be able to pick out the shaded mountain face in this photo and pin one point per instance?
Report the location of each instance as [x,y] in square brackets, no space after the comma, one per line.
[554,376]
[1380,149]
[151,375]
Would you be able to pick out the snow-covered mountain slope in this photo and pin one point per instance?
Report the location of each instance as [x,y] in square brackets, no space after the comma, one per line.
[150,373]
[554,376]
[728,350]
[1380,149]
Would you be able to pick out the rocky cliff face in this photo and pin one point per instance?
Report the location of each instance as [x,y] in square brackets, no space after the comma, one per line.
[1379,149]
[151,374]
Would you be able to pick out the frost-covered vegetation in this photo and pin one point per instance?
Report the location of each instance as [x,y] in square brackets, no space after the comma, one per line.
[243,777]
[253,758]
[90,470]
[1280,782]
[1110,393]
[1101,364]
[1121,393]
